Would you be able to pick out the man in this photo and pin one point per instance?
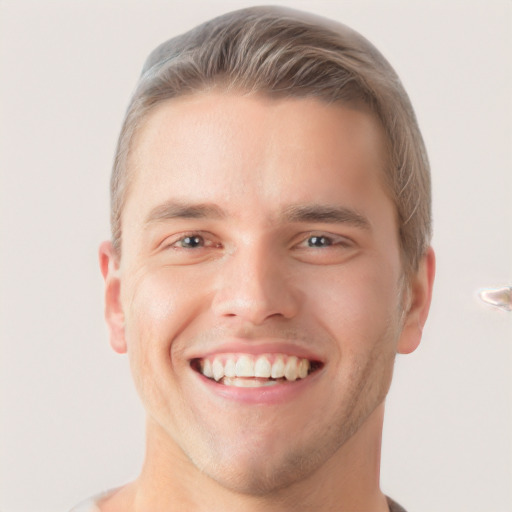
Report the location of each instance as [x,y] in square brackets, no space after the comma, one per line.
[269,258]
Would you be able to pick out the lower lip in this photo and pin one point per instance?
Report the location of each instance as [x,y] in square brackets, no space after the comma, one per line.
[278,393]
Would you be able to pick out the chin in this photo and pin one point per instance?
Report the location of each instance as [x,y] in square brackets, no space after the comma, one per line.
[259,478]
[266,466]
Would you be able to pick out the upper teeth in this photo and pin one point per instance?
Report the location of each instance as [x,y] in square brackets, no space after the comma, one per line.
[275,366]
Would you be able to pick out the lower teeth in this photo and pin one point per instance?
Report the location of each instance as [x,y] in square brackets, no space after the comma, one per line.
[248,383]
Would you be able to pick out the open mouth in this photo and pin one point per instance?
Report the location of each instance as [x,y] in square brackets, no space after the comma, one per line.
[247,370]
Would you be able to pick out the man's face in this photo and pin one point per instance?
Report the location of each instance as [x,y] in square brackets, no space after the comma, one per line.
[258,239]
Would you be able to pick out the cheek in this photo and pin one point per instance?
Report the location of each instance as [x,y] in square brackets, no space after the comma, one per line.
[159,305]
[358,304]
[152,304]
[153,300]
[150,307]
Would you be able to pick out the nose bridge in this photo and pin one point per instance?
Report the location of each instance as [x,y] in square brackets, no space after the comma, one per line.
[253,285]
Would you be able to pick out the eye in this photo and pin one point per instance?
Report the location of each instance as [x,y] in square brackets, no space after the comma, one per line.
[189,248]
[319,241]
[324,248]
[190,242]
[322,241]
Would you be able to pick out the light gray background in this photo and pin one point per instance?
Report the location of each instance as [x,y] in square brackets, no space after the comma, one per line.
[71,424]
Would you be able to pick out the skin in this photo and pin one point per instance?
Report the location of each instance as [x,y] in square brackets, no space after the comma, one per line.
[256,278]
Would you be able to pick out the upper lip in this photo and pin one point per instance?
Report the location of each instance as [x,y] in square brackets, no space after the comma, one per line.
[257,348]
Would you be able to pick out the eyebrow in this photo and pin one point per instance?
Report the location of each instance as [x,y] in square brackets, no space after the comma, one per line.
[294,213]
[326,213]
[176,210]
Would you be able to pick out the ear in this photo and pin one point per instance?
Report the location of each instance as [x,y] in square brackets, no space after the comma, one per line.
[109,265]
[420,295]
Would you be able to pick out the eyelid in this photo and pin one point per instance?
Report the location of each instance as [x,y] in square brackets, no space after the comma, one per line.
[170,241]
[336,239]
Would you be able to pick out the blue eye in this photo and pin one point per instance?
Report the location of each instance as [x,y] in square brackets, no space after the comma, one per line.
[319,241]
[191,242]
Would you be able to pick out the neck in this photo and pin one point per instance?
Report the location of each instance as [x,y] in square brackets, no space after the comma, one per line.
[347,482]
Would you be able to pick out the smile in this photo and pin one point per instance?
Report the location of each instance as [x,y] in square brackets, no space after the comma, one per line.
[247,370]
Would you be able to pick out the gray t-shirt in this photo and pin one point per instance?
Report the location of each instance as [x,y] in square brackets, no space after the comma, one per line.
[394,506]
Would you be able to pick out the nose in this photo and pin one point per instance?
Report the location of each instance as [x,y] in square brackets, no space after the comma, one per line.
[255,285]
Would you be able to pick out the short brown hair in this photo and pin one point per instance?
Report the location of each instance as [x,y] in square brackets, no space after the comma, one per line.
[283,52]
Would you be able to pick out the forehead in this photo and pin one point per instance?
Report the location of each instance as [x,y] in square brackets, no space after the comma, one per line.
[199,143]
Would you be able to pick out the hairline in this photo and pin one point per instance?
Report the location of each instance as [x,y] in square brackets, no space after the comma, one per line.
[129,172]
[188,64]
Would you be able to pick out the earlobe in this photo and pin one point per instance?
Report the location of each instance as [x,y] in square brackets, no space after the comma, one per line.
[114,315]
[419,304]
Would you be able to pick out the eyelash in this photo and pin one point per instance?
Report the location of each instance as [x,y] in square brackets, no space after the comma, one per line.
[203,241]
[174,244]
[314,239]
[331,239]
